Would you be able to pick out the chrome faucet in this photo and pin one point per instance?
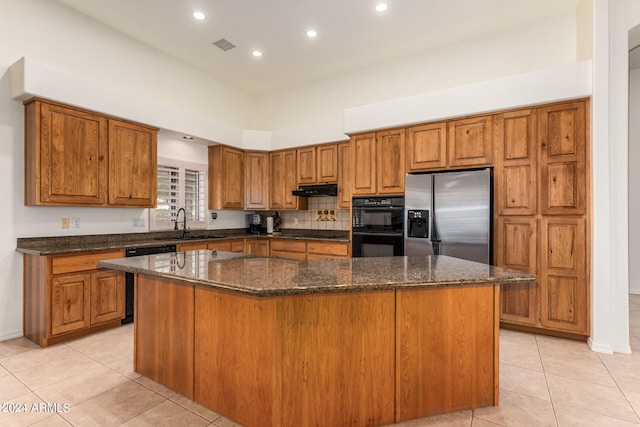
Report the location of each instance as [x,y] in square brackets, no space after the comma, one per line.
[184,222]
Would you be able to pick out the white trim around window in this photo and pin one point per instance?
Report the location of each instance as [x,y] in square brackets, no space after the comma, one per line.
[180,185]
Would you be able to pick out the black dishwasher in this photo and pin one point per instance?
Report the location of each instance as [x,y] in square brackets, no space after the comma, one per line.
[130,277]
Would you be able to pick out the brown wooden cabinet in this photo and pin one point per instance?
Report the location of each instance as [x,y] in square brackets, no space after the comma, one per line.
[226,177]
[133,171]
[70,302]
[469,142]
[540,177]
[256,180]
[344,175]
[378,163]
[516,248]
[66,296]
[562,130]
[427,147]
[258,246]
[317,164]
[318,249]
[234,245]
[75,157]
[283,181]
[289,248]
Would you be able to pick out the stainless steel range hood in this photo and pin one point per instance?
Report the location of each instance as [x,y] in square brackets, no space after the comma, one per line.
[316,190]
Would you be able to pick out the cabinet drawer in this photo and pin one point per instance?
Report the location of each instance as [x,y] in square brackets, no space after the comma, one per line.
[86,261]
[327,250]
[289,245]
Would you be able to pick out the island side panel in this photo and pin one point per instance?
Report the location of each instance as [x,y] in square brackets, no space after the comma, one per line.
[447,350]
[164,332]
[235,356]
[336,355]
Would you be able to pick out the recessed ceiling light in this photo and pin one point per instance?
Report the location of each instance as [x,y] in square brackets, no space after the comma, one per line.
[312,33]
[199,16]
[256,53]
[381,7]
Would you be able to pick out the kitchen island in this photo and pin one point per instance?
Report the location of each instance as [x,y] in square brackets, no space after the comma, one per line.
[358,341]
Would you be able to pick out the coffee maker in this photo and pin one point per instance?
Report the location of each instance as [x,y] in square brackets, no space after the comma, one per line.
[255,227]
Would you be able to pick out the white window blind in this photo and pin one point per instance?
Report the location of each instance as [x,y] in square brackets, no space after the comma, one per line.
[180,185]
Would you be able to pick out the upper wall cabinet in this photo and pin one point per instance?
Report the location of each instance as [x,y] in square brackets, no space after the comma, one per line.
[283,181]
[344,175]
[256,180]
[469,142]
[132,165]
[79,158]
[317,165]
[427,147]
[226,177]
[378,163]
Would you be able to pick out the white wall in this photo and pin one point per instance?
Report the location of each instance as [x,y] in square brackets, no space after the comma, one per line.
[634,181]
[312,113]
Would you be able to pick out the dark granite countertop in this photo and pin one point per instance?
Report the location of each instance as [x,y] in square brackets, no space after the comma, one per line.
[101,242]
[267,276]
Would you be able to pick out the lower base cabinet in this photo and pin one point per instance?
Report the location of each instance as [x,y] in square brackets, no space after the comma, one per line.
[67,296]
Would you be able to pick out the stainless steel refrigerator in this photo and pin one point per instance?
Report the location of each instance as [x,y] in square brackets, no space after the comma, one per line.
[449,213]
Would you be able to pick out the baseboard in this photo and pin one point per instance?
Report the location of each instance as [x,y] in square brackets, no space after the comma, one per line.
[11,335]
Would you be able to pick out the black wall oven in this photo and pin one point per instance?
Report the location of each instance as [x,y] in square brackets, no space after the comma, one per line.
[377,226]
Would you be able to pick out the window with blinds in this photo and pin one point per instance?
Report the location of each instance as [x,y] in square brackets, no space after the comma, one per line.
[180,185]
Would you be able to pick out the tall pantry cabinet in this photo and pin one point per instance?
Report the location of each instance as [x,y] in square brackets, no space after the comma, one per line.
[541,216]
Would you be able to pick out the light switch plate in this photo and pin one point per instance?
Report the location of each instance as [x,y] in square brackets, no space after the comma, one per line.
[75,222]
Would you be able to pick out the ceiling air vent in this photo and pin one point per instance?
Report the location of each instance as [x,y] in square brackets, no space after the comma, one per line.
[224,44]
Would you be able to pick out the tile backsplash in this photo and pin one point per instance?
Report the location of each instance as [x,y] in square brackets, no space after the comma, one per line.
[309,219]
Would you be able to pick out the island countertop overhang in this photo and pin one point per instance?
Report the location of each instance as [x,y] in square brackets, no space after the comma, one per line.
[268,276]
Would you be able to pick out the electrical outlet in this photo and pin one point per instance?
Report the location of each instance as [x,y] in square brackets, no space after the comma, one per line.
[214,215]
[65,222]
[138,222]
[75,222]
[295,221]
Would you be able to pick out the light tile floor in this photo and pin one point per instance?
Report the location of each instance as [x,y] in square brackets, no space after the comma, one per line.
[544,381]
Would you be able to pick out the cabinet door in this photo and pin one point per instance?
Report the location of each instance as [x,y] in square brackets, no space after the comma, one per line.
[564,285]
[70,302]
[237,245]
[516,165]
[72,168]
[257,247]
[363,164]
[344,175]
[390,157]
[226,177]
[327,163]
[562,134]
[470,142]
[284,248]
[107,296]
[306,165]
[284,181]
[257,180]
[319,250]
[516,242]
[224,246]
[132,165]
[427,147]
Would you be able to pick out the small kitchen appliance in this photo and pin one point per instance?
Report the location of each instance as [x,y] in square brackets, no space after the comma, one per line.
[256,224]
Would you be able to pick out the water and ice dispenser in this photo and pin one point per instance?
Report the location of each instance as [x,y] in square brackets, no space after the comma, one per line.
[418,223]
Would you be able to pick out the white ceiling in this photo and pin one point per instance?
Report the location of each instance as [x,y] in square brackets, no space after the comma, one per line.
[351,34]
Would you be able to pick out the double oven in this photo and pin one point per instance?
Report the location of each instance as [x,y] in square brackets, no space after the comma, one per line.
[377,225]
